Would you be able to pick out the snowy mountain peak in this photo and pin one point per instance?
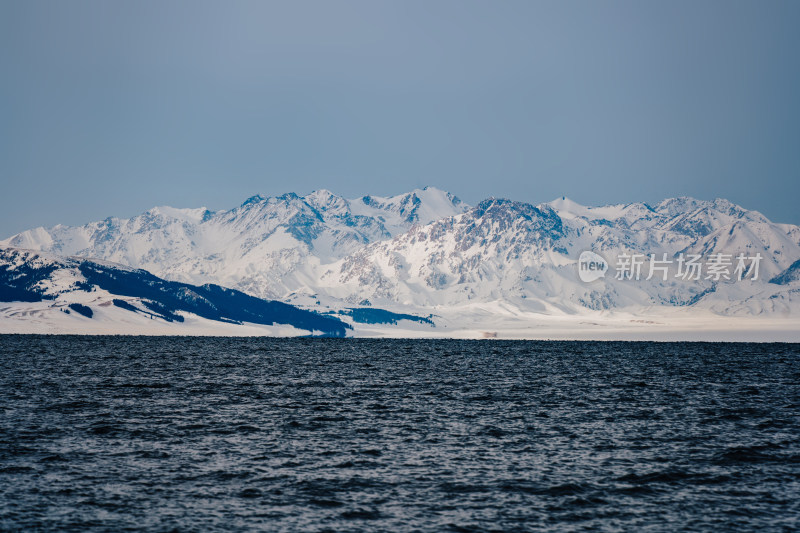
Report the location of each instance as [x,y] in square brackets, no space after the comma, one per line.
[420,206]
[252,200]
[322,196]
[674,206]
[193,215]
[566,205]
[569,209]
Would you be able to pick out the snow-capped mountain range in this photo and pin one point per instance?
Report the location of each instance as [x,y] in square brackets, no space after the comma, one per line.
[428,250]
[267,247]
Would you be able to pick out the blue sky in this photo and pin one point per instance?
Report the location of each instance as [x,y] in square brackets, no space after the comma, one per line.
[110,108]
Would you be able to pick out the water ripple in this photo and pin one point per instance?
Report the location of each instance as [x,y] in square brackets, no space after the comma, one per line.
[205,434]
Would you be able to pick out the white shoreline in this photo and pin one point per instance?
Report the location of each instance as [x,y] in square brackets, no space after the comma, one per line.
[491,321]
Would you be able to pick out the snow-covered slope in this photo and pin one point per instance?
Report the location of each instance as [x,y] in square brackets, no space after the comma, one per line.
[80,296]
[427,251]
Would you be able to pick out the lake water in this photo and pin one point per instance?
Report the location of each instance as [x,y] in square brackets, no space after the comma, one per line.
[199,434]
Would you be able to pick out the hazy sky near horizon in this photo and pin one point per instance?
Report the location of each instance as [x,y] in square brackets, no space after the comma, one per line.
[110,108]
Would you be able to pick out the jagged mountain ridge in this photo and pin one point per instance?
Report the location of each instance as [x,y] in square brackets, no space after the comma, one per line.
[427,248]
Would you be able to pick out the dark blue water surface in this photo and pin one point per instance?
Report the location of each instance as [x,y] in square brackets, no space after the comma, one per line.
[198,434]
